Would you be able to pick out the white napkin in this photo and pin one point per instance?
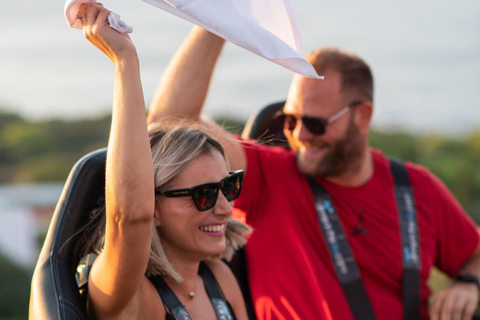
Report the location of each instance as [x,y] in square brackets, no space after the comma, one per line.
[265,27]
[71,11]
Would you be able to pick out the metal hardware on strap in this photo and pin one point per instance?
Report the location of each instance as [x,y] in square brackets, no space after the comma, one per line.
[218,300]
[342,258]
[410,241]
[169,298]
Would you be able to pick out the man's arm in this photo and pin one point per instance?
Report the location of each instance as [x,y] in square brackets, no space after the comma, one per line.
[184,86]
[460,299]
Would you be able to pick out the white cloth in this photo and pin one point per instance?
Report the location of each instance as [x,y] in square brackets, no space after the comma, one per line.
[71,11]
[265,27]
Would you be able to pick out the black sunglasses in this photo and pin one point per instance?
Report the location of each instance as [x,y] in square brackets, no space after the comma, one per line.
[205,195]
[314,125]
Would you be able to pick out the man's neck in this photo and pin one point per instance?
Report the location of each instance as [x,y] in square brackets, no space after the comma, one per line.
[358,175]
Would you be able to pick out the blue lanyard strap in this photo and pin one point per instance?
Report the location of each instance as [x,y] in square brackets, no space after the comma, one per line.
[344,262]
[340,253]
[410,240]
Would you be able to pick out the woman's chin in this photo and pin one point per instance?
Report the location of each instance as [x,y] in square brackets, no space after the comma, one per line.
[214,249]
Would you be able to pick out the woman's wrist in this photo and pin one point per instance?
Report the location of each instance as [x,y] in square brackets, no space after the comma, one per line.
[126,60]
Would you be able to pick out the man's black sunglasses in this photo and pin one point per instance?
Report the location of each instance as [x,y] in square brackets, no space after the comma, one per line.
[314,125]
[205,195]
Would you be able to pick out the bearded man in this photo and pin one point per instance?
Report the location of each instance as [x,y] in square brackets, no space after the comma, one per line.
[332,239]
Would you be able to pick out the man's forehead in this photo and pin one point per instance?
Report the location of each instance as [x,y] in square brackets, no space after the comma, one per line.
[308,94]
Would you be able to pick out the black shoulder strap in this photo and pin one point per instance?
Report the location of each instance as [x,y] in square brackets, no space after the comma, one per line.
[342,257]
[344,262]
[340,253]
[170,299]
[409,237]
[222,308]
[210,282]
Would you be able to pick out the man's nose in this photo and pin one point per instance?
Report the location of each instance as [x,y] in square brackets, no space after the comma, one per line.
[301,133]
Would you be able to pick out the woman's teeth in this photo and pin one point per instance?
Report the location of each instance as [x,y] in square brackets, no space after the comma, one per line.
[216,228]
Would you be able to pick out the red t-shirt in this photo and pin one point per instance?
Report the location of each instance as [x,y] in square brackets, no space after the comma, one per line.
[290,271]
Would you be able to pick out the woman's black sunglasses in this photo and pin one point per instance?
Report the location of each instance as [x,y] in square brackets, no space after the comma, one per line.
[314,125]
[205,195]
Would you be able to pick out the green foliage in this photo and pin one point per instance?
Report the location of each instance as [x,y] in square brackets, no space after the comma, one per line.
[231,125]
[14,291]
[46,150]
[455,161]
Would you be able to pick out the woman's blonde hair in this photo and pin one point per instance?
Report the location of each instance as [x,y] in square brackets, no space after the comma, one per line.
[175,145]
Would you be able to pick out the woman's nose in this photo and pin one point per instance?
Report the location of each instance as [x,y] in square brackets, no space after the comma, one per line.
[223,206]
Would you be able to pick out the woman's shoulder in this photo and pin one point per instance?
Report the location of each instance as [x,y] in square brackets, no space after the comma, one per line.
[221,271]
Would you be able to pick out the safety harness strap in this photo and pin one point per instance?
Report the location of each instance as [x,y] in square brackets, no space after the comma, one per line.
[344,262]
[222,309]
[409,238]
[169,299]
[340,253]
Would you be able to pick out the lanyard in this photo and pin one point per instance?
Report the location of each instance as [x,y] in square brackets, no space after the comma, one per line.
[344,261]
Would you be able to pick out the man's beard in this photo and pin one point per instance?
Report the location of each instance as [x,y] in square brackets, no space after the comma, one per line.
[342,157]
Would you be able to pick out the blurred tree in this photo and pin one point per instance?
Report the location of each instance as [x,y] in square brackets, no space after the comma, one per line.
[14,291]
[454,161]
[231,125]
[401,145]
[46,151]
[22,140]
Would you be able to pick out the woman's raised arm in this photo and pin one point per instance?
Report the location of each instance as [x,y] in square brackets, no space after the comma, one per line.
[118,272]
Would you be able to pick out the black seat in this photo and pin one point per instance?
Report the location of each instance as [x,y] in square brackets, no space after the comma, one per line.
[266,127]
[54,291]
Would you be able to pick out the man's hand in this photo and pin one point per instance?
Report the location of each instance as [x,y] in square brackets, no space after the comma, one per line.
[457,302]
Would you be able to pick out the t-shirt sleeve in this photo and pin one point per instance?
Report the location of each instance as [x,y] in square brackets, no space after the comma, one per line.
[456,233]
[263,164]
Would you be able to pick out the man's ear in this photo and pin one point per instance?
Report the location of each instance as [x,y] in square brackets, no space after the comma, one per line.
[363,116]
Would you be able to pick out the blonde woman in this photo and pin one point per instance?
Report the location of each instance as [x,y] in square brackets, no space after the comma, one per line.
[168,200]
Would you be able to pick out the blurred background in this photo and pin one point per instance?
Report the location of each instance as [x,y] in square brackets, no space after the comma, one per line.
[56,89]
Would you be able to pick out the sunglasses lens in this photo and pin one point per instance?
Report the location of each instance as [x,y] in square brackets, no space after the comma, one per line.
[314,125]
[290,122]
[205,196]
[232,186]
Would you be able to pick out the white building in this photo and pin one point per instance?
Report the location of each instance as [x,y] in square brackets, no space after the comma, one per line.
[25,213]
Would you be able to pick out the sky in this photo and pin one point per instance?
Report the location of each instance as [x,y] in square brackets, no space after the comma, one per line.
[425,57]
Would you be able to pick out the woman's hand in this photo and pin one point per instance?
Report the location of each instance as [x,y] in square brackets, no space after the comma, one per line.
[115,45]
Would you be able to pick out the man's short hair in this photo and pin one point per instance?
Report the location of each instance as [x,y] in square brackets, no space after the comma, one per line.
[357,78]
